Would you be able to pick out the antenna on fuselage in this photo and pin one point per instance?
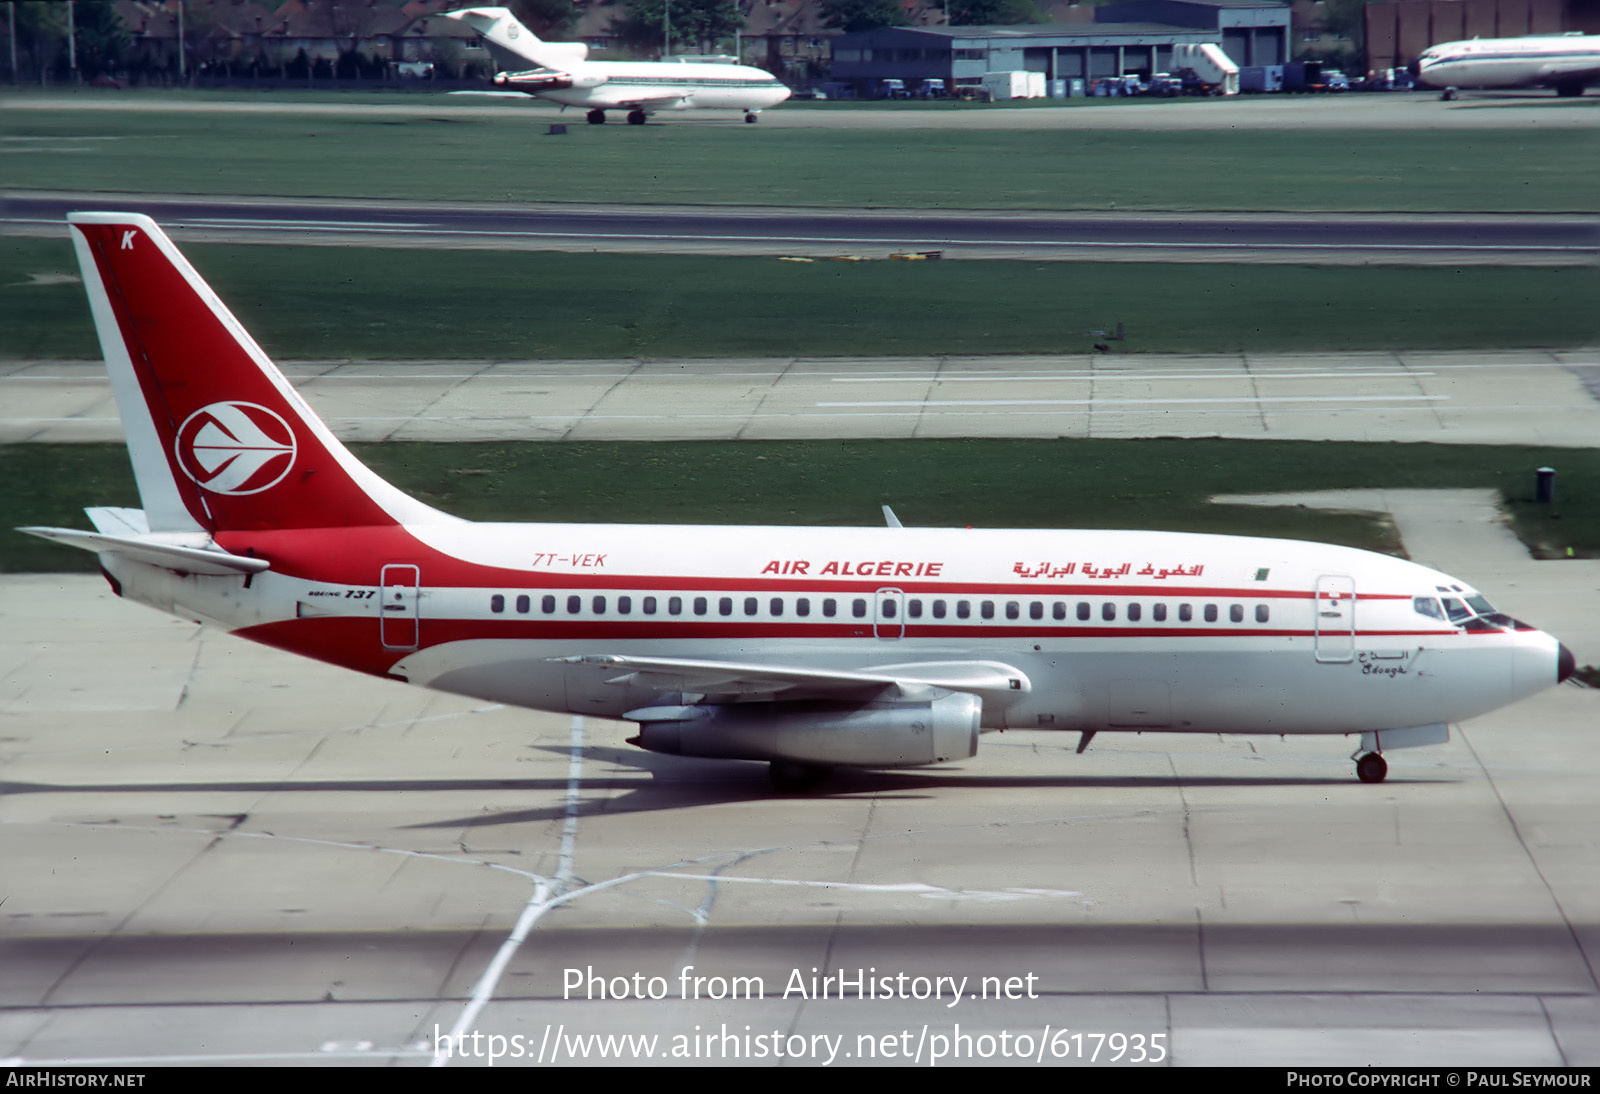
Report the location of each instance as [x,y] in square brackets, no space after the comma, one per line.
[890,519]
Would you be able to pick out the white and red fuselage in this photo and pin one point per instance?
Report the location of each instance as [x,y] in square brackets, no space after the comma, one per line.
[1566,62]
[870,646]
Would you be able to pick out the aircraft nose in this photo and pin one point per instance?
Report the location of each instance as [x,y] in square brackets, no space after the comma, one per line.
[1566,664]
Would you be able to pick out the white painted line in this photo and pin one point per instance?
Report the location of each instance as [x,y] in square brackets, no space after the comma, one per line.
[1129,377]
[542,900]
[1147,402]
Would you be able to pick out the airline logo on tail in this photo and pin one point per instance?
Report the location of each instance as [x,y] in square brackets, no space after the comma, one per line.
[235,448]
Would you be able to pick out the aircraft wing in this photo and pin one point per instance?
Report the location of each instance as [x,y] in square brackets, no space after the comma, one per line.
[641,102]
[717,677]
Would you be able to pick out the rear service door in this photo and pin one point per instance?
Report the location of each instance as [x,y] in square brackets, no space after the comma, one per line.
[397,613]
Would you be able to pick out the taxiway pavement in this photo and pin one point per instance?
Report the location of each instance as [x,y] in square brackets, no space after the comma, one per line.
[1323,238]
[1397,110]
[1535,397]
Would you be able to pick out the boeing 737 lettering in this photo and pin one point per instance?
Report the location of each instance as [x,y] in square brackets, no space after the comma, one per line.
[563,74]
[806,648]
[1566,62]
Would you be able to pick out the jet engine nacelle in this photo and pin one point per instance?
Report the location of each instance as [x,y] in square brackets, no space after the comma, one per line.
[891,734]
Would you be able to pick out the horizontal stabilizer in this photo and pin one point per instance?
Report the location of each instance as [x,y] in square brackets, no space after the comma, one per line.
[156,550]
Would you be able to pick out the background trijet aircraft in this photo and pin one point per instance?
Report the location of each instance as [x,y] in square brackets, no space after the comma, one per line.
[563,74]
[803,647]
[1566,62]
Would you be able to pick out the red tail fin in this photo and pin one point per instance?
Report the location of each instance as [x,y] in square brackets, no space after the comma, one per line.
[220,441]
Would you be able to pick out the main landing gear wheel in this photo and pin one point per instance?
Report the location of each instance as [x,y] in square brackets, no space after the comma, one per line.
[1448,95]
[751,118]
[792,776]
[595,117]
[1372,768]
[636,117]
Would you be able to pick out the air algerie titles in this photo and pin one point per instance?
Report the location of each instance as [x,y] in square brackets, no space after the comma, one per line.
[861,568]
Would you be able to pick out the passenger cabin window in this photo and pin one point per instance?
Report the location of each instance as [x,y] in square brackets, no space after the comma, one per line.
[699,605]
[1158,612]
[1134,612]
[599,605]
[963,609]
[751,605]
[914,609]
[1083,609]
[1262,613]
[675,605]
[1236,613]
[802,607]
[725,605]
[830,607]
[574,605]
[1058,610]
[649,605]
[1035,610]
[497,603]
[1211,613]
[524,605]
[776,606]
[624,605]
[1108,611]
[986,609]
[858,608]
[938,609]
[1185,613]
[547,605]
[1013,610]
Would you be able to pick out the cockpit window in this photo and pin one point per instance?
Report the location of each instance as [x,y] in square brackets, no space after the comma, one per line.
[1428,606]
[1480,605]
[1456,610]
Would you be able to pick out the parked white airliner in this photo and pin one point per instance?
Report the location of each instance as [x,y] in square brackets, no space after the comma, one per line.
[1566,62]
[564,74]
[803,647]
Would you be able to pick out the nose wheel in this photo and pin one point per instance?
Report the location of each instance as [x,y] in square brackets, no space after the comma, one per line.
[1371,768]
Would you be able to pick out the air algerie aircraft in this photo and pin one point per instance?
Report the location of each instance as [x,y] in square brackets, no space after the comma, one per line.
[563,74]
[803,647]
[1566,62]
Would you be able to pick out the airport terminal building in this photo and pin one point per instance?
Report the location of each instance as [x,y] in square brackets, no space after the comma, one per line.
[1136,36]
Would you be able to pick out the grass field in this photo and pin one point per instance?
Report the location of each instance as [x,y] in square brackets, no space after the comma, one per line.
[1157,484]
[328,302]
[447,157]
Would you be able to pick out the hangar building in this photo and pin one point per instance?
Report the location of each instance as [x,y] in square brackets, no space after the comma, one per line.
[1136,36]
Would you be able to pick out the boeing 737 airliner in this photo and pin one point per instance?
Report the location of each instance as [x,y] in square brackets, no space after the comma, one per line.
[803,647]
[564,74]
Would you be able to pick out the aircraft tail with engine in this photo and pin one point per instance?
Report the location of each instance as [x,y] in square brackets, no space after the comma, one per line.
[513,45]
